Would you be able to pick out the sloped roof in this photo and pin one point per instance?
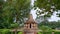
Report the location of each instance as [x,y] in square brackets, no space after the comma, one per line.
[30,20]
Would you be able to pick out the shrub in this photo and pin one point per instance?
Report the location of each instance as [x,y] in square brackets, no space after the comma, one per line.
[46,29]
[14,25]
[4,31]
[20,33]
[39,32]
[57,32]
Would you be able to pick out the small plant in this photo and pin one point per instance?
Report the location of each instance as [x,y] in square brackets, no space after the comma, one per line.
[4,31]
[39,33]
[19,32]
[46,29]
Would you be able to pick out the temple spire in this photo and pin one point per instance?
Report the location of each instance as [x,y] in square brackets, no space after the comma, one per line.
[30,16]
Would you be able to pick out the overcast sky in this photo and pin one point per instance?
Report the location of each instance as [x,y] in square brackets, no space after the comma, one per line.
[53,17]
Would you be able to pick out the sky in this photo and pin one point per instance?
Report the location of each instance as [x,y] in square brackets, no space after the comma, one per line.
[53,17]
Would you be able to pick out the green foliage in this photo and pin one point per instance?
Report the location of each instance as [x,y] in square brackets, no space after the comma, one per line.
[39,33]
[47,6]
[16,9]
[57,32]
[44,32]
[45,29]
[14,25]
[52,25]
[4,31]
[8,31]
[13,10]
[48,32]
[20,33]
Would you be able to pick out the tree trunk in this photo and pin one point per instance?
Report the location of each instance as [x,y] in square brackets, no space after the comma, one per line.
[15,30]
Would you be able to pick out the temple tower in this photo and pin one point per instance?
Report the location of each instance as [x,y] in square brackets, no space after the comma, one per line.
[30,27]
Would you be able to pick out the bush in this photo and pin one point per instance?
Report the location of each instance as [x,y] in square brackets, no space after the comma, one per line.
[4,31]
[57,32]
[14,25]
[44,32]
[39,32]
[20,33]
[46,29]
[47,33]
[7,31]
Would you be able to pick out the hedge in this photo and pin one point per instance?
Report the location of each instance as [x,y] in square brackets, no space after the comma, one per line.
[7,31]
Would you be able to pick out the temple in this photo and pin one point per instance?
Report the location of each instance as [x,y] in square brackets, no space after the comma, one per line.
[30,27]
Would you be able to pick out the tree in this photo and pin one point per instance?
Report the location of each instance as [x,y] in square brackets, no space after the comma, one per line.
[14,10]
[1,13]
[19,9]
[47,7]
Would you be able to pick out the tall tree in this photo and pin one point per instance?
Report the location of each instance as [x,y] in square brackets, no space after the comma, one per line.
[18,9]
[14,10]
[47,7]
[1,13]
